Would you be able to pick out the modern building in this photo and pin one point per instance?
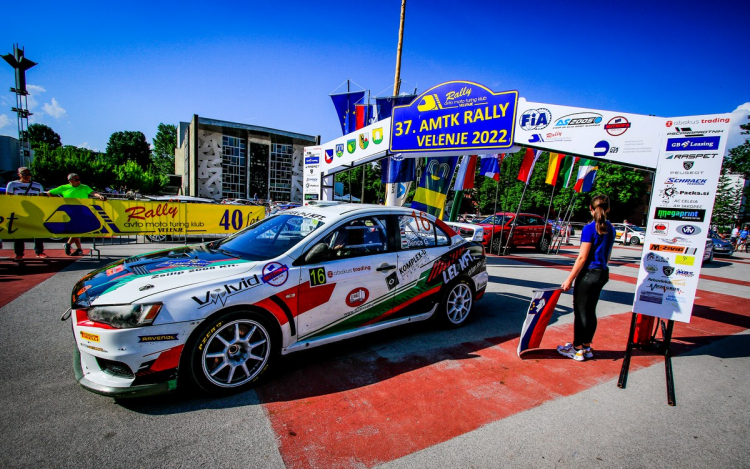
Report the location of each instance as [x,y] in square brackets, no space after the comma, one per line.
[219,160]
[10,159]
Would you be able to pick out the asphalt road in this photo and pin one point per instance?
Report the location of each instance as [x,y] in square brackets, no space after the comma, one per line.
[417,396]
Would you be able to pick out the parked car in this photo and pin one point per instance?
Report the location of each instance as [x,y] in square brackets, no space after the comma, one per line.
[557,225]
[527,232]
[468,231]
[629,234]
[722,247]
[217,315]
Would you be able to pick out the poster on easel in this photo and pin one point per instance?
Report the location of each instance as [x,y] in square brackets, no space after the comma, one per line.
[686,180]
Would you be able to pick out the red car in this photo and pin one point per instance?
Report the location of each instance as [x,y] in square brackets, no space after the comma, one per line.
[528,231]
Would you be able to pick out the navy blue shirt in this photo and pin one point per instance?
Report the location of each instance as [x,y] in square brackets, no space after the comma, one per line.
[601,245]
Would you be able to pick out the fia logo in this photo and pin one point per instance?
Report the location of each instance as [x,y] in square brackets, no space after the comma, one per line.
[535,119]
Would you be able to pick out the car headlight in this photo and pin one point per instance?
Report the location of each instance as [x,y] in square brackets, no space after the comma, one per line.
[125,316]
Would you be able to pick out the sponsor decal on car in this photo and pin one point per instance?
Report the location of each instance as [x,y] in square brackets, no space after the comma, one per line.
[660,228]
[184,263]
[392,281]
[315,216]
[157,338]
[689,230]
[651,297]
[357,297]
[220,295]
[168,274]
[89,336]
[115,270]
[98,349]
[275,274]
[449,268]
[318,276]
[363,268]
[412,263]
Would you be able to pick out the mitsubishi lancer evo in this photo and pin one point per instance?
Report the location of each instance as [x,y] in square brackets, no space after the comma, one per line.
[216,316]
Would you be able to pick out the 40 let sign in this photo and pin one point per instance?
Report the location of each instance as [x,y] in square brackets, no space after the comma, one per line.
[457,115]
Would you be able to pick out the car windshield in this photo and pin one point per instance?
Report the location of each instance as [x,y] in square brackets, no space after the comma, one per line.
[496,219]
[269,238]
[635,228]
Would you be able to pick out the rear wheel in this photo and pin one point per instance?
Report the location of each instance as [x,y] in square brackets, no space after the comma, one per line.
[156,238]
[456,304]
[543,245]
[232,352]
[635,240]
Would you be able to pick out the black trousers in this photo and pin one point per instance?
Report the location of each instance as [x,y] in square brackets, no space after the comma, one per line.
[19,246]
[586,291]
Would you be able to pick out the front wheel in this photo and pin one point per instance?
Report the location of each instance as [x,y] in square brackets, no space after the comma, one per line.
[156,238]
[456,304]
[232,352]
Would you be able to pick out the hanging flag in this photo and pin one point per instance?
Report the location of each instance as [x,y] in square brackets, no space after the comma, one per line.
[527,167]
[489,166]
[553,170]
[434,184]
[466,171]
[586,175]
[385,105]
[397,169]
[363,113]
[395,194]
[567,169]
[537,317]
[344,104]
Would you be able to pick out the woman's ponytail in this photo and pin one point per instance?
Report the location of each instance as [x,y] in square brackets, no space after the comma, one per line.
[600,207]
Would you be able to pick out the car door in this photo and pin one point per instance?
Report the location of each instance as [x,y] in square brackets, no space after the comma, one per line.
[535,228]
[348,288]
[520,232]
[420,243]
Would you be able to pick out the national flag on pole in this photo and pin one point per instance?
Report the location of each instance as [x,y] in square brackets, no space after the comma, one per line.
[363,112]
[586,175]
[553,170]
[466,171]
[567,169]
[398,169]
[434,184]
[537,317]
[344,104]
[527,166]
[489,166]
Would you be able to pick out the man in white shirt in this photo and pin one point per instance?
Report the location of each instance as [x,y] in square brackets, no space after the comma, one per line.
[25,186]
[734,235]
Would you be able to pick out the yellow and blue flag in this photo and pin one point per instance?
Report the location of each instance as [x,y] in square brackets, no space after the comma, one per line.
[434,185]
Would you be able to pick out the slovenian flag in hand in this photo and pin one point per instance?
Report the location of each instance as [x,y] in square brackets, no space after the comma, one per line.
[537,317]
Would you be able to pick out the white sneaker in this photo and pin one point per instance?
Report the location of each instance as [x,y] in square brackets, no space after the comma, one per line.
[587,352]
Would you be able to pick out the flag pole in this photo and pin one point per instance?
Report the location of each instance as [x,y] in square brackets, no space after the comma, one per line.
[546,218]
[568,216]
[494,216]
[515,219]
[457,199]
[397,79]
[562,221]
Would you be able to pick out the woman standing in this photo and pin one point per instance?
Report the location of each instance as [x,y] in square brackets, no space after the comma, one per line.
[590,273]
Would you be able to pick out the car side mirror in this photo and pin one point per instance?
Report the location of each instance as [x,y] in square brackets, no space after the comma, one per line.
[319,253]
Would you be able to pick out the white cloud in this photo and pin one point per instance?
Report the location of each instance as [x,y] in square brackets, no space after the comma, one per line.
[54,109]
[4,120]
[34,92]
[739,116]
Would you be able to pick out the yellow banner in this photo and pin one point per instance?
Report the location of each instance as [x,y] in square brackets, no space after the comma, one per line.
[42,217]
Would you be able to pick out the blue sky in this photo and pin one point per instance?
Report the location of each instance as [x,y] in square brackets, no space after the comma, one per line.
[110,66]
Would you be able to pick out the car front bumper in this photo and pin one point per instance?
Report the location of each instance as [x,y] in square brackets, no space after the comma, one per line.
[119,392]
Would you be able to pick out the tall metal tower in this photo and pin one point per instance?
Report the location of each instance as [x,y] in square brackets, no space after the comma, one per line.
[21,64]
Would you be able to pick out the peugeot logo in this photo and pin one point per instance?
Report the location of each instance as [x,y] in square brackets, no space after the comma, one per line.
[668,270]
[687,165]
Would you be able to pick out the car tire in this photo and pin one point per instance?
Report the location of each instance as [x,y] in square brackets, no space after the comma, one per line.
[456,304]
[156,238]
[231,352]
[543,245]
[497,245]
[635,241]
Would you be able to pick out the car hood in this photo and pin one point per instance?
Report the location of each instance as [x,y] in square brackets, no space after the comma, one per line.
[129,280]
[721,242]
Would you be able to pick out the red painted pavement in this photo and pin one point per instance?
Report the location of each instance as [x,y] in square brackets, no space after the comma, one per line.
[17,278]
[369,409]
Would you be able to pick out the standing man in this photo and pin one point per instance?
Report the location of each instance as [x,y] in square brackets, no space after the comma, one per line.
[25,186]
[734,235]
[75,190]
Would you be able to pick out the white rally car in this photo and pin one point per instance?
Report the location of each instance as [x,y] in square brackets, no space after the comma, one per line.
[217,315]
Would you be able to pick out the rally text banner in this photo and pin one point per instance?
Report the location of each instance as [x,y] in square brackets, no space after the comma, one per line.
[40,217]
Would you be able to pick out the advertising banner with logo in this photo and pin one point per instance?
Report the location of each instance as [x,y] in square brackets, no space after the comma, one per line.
[456,116]
[687,175]
[311,179]
[630,139]
[42,217]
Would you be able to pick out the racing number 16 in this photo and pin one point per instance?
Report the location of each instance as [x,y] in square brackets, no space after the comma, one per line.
[317,276]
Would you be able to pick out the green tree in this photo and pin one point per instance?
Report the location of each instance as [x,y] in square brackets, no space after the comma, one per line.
[727,202]
[40,134]
[164,144]
[129,146]
[52,165]
[738,159]
[135,177]
[374,190]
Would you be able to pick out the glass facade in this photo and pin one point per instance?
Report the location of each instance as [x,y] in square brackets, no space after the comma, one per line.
[234,167]
[280,172]
[258,170]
